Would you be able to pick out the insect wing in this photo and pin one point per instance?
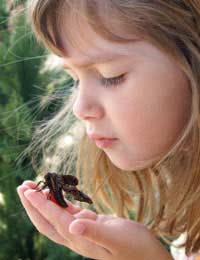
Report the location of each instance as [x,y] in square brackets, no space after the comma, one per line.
[77,194]
[58,196]
[70,180]
[56,191]
[84,197]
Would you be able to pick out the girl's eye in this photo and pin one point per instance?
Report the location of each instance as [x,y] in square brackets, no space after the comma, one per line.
[107,82]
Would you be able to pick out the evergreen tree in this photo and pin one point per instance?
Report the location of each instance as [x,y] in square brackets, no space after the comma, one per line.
[21,85]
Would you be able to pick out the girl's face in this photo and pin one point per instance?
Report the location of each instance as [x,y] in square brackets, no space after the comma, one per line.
[144,103]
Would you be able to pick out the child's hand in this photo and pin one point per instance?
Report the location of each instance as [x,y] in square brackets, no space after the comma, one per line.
[53,221]
[123,239]
[103,237]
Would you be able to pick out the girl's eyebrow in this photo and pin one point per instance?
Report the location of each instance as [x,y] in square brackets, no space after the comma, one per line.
[98,59]
[92,61]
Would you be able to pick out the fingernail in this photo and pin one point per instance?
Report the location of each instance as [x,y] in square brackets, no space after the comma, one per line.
[18,187]
[77,228]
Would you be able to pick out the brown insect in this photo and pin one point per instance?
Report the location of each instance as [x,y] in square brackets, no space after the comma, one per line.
[58,183]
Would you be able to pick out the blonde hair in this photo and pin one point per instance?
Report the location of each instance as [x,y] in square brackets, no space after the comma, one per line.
[166,195]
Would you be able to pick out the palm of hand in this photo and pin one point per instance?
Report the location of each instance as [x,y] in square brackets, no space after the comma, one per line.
[104,237]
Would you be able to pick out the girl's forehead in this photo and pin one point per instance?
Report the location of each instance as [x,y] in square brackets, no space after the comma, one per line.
[136,51]
[80,40]
[101,53]
[84,60]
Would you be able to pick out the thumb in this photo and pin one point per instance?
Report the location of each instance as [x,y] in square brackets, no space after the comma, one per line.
[93,231]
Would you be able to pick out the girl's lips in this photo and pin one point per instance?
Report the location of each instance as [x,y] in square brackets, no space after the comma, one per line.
[101,141]
[97,136]
[104,142]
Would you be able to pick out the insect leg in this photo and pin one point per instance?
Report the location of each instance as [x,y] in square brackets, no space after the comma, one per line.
[43,187]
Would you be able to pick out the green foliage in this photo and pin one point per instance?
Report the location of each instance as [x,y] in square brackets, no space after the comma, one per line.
[21,86]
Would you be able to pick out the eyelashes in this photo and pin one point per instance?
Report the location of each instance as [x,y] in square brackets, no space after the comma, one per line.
[107,82]
[113,81]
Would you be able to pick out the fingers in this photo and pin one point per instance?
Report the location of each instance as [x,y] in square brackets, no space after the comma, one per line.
[56,215]
[94,231]
[108,232]
[60,233]
[53,221]
[43,226]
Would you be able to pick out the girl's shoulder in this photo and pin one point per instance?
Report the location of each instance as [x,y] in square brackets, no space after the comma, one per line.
[179,253]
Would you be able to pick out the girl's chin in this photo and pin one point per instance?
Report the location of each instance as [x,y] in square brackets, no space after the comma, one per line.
[133,166]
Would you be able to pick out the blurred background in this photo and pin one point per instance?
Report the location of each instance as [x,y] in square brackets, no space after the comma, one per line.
[28,75]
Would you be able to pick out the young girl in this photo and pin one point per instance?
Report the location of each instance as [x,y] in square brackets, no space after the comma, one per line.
[136,67]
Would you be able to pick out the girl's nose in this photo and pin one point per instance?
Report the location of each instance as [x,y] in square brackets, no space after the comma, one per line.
[88,107]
